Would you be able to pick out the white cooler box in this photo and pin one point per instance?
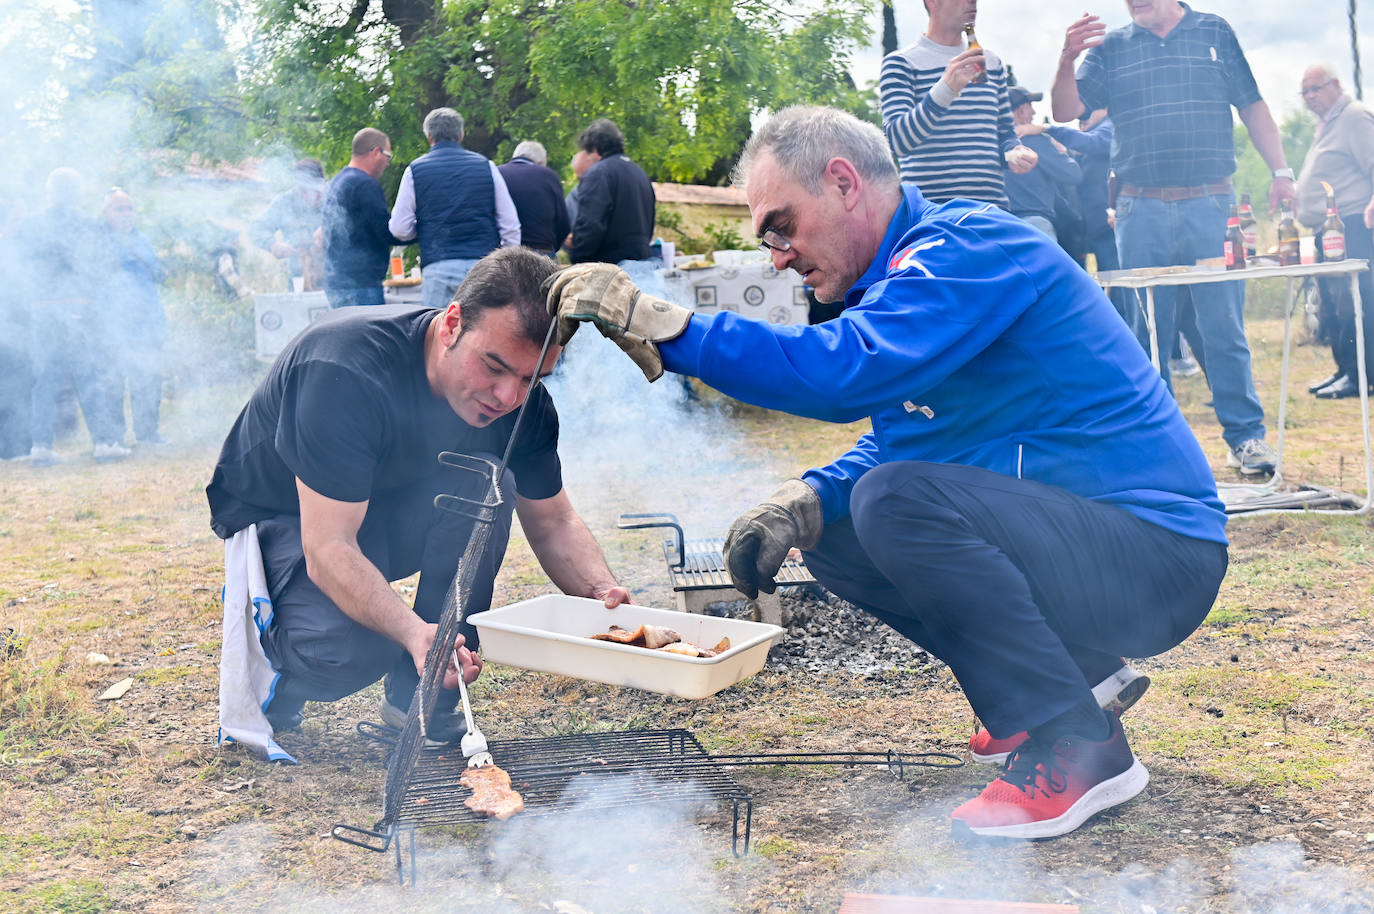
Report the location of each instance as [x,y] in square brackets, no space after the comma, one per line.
[552,634]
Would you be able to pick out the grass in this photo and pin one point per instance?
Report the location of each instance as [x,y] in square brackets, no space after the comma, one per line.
[39,702]
[68,896]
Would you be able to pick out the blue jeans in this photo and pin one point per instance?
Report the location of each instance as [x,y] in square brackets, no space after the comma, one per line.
[441,279]
[1153,233]
[347,298]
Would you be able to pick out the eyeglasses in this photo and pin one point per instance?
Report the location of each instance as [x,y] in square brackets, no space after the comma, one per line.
[385,152]
[774,240]
[1313,90]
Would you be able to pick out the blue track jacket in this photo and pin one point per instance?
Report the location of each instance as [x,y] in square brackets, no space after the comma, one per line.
[973,339]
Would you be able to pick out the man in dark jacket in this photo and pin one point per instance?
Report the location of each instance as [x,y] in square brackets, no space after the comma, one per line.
[453,202]
[1032,193]
[615,212]
[357,243]
[538,194]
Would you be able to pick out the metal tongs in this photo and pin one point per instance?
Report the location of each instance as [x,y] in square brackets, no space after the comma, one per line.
[474,744]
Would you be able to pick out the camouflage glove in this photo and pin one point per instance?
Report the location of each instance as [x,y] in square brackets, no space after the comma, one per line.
[760,538]
[603,294]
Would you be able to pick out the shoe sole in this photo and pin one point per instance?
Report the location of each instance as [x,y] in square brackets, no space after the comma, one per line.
[395,718]
[1117,693]
[1111,792]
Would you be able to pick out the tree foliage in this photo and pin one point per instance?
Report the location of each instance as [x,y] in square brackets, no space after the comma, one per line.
[1252,177]
[682,78]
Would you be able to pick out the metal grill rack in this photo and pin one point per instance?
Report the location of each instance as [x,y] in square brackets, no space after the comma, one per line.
[559,774]
[697,569]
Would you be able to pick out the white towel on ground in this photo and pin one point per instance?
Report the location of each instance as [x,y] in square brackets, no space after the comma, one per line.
[246,678]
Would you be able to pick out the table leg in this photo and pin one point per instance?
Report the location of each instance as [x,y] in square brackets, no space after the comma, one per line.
[1290,302]
[1363,374]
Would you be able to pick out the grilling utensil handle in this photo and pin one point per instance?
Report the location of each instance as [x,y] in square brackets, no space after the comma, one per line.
[473,743]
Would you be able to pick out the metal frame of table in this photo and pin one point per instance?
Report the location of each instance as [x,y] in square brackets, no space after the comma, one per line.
[1149,280]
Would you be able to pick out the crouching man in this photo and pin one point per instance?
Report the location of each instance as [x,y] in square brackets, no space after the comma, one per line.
[1030,506]
[333,460]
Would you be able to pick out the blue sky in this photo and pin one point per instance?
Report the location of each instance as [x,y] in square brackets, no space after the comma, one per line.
[1280,39]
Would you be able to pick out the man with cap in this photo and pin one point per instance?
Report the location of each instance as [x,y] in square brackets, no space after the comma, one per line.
[1031,194]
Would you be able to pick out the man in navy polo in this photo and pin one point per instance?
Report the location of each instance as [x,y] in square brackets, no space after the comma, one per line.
[1168,82]
[454,202]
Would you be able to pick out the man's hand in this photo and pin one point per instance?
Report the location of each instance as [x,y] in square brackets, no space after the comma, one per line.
[1030,129]
[1086,32]
[281,250]
[962,68]
[1021,159]
[1282,189]
[603,294]
[424,642]
[613,596]
[759,538]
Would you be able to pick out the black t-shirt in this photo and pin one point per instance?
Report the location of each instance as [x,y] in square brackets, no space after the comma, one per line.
[347,409]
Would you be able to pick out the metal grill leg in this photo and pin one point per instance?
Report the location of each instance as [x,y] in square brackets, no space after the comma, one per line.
[400,866]
[748,826]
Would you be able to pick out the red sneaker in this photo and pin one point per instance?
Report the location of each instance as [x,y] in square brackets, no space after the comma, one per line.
[1116,693]
[992,751]
[1049,791]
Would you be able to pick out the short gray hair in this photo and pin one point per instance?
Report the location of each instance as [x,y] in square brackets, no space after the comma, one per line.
[65,186]
[804,138]
[444,125]
[532,150]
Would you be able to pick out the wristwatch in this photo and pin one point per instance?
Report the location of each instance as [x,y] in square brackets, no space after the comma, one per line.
[1284,173]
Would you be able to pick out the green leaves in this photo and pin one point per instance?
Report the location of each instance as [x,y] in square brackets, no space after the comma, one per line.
[681,78]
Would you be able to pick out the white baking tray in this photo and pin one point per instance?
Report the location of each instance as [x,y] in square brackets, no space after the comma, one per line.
[552,634]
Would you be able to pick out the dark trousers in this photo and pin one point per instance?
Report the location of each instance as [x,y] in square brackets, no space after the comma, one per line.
[345,298]
[140,365]
[1359,244]
[63,350]
[1029,593]
[322,654]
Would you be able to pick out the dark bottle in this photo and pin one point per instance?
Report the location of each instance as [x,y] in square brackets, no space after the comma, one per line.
[1248,226]
[1289,251]
[1332,232]
[982,76]
[1235,242]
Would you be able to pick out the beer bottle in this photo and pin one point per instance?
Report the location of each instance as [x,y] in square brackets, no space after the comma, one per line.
[982,76]
[1248,226]
[1235,242]
[1289,252]
[1332,232]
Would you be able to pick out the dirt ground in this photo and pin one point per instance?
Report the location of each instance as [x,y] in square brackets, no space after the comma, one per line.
[1257,730]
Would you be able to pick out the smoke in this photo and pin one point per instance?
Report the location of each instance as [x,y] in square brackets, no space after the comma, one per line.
[631,446]
[647,858]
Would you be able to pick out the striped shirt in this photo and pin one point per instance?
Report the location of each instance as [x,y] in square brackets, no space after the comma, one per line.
[1170,99]
[949,146]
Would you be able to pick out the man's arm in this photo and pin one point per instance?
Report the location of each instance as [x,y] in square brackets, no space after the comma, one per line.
[1086,32]
[507,217]
[566,549]
[1264,134]
[1060,166]
[909,118]
[402,223]
[329,537]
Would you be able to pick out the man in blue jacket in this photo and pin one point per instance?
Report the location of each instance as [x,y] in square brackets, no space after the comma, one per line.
[1030,505]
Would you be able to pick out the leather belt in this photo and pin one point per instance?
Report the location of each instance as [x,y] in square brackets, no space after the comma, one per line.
[1172,194]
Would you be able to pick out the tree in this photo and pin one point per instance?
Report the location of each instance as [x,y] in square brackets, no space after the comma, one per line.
[1252,177]
[682,78]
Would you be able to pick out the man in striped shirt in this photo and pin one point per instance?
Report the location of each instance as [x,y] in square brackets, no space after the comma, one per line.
[951,136]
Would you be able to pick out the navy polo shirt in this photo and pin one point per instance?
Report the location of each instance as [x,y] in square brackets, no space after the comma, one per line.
[1170,99]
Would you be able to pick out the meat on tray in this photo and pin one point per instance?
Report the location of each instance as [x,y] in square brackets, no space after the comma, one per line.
[491,792]
[660,638]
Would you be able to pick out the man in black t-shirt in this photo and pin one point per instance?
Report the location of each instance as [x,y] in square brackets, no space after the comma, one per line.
[334,459]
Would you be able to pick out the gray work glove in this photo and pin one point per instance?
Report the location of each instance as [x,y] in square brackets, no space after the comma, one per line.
[603,294]
[759,538]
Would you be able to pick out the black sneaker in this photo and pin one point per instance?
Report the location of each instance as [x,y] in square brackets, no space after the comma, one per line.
[284,720]
[446,728]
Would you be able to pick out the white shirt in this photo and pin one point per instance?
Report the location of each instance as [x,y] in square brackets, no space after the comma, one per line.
[402,222]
